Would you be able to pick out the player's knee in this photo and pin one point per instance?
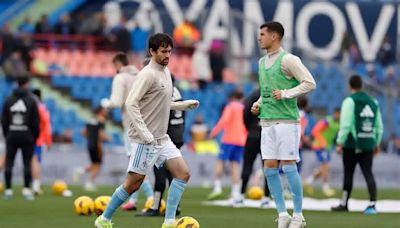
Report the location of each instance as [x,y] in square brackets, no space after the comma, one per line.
[184,176]
[131,188]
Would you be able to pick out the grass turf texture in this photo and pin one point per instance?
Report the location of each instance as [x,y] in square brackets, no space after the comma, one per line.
[55,211]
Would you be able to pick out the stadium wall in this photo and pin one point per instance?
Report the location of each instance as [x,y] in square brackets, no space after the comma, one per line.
[60,162]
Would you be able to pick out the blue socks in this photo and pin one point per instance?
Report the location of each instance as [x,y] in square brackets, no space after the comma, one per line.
[135,196]
[118,198]
[275,187]
[146,188]
[174,196]
[295,186]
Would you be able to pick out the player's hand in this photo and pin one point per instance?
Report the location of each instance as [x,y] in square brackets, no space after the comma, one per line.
[255,108]
[277,94]
[192,104]
[339,148]
[377,150]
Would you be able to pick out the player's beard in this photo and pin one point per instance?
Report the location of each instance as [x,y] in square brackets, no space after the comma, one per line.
[165,61]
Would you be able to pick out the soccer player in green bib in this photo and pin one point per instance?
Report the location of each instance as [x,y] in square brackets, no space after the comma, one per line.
[359,136]
[283,78]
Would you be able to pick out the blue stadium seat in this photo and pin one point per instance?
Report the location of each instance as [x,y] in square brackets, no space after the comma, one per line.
[361,69]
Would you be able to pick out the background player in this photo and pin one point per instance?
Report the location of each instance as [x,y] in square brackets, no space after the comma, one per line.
[44,141]
[252,147]
[20,122]
[324,133]
[121,85]
[359,138]
[233,141]
[95,135]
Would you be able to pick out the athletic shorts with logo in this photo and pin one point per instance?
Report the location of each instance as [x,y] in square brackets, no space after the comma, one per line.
[280,141]
[144,156]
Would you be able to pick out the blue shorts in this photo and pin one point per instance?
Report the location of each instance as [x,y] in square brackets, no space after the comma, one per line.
[231,152]
[323,156]
[38,152]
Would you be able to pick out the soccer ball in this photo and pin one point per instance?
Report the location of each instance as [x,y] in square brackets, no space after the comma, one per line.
[255,192]
[100,204]
[187,222]
[149,203]
[59,187]
[84,205]
[1,187]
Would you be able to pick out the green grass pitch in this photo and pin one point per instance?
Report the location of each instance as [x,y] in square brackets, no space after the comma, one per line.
[55,211]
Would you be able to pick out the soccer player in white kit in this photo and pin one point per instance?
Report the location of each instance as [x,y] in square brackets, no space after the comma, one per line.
[283,78]
[148,106]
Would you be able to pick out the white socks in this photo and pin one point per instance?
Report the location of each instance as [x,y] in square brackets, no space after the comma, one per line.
[157,199]
[235,191]
[325,186]
[26,192]
[36,185]
[217,186]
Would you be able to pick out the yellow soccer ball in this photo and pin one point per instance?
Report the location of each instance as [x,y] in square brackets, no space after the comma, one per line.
[1,187]
[187,222]
[100,204]
[59,187]
[255,193]
[149,203]
[84,205]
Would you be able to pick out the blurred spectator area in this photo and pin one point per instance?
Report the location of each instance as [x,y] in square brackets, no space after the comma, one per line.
[89,62]
[71,41]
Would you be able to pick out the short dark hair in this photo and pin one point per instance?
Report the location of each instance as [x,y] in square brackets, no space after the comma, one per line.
[37,92]
[160,40]
[23,80]
[302,102]
[274,26]
[121,58]
[236,94]
[356,82]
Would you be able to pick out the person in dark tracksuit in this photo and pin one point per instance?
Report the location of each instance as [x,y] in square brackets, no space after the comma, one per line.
[359,137]
[20,123]
[95,134]
[175,132]
[252,146]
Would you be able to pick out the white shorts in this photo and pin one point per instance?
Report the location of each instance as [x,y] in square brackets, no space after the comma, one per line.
[144,157]
[280,141]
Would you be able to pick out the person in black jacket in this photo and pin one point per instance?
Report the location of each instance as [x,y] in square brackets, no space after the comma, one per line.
[252,147]
[20,122]
[175,132]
